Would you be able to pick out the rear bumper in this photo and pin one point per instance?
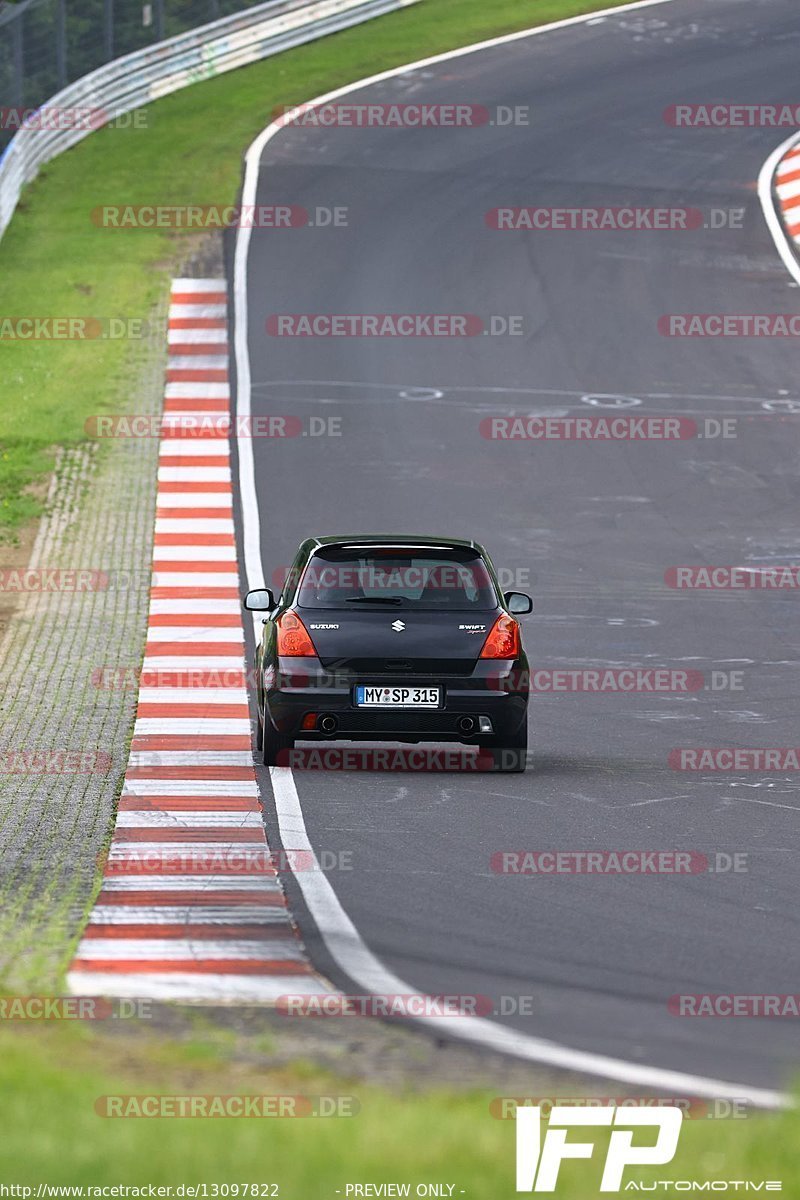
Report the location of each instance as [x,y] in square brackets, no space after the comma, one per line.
[492,691]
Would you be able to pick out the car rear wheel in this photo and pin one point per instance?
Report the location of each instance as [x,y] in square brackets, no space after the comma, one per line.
[509,753]
[274,746]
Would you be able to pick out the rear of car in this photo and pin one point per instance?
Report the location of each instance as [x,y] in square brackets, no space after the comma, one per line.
[393,639]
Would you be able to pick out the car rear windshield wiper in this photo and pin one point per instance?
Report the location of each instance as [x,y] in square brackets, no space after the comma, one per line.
[374,600]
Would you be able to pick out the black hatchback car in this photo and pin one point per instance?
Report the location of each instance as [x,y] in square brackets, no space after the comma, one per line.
[392,638]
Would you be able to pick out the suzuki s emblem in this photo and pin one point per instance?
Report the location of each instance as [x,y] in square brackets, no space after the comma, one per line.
[398,625]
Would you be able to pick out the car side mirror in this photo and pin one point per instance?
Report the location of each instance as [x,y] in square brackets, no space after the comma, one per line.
[518,603]
[260,600]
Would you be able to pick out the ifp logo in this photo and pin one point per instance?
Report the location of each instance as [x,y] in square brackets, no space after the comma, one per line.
[538,1165]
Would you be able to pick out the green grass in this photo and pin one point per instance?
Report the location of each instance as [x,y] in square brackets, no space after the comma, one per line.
[52,1075]
[55,262]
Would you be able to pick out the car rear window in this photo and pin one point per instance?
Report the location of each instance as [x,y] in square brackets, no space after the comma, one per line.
[418,578]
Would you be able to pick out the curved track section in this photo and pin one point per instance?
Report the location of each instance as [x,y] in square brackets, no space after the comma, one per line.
[591,526]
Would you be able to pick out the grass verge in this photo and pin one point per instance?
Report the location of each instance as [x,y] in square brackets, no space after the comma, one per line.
[52,1076]
[55,262]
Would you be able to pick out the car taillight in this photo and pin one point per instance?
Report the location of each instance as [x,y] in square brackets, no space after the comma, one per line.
[294,640]
[503,639]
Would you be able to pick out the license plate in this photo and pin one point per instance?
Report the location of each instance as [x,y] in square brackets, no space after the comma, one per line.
[397,697]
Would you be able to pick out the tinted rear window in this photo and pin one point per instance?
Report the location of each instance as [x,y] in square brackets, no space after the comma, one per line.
[420,579]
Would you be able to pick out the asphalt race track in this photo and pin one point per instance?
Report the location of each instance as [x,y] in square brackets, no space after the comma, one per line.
[589,527]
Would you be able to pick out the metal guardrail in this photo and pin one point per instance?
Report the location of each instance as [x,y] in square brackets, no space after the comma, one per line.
[47,44]
[128,83]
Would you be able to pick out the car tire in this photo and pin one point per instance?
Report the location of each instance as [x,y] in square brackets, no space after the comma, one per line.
[509,753]
[259,731]
[274,745]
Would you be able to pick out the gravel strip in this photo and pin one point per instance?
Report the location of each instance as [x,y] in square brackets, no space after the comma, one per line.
[56,813]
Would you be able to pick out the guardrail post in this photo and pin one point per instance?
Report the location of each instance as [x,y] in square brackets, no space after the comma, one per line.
[61,42]
[108,29]
[16,30]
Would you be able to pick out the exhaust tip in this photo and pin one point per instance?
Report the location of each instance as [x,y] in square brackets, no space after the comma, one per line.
[328,724]
[467,724]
